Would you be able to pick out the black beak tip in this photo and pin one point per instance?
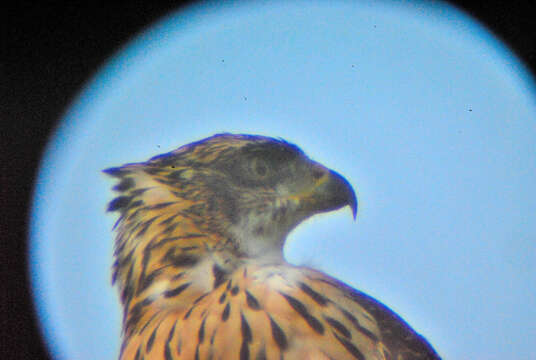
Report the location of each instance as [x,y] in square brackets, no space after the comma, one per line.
[353,204]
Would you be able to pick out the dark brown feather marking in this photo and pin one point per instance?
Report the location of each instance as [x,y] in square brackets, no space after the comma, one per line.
[225,313]
[139,191]
[132,216]
[135,204]
[213,337]
[200,298]
[167,352]
[145,281]
[126,293]
[171,333]
[119,220]
[178,276]
[352,349]
[300,308]
[169,219]
[246,338]
[161,205]
[147,323]
[318,298]
[219,276]
[138,354]
[170,228]
[337,325]
[176,291]
[145,260]
[122,349]
[116,171]
[358,326]
[119,202]
[278,334]
[252,302]
[244,351]
[181,260]
[125,184]
[188,313]
[144,226]
[246,330]
[136,312]
[150,342]
[201,332]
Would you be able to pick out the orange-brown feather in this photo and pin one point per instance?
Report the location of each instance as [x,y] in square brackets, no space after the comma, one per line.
[190,292]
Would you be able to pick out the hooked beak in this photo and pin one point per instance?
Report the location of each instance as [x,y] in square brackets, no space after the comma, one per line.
[330,192]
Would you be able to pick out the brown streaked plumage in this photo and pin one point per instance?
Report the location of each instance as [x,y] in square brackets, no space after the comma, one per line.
[200,268]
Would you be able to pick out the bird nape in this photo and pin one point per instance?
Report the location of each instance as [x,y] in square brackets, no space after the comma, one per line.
[199,260]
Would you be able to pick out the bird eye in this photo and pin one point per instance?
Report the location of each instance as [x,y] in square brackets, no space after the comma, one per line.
[259,167]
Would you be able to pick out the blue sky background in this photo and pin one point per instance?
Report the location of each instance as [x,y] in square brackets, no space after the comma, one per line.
[430,118]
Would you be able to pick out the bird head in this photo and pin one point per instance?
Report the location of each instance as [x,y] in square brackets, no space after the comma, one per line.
[251,190]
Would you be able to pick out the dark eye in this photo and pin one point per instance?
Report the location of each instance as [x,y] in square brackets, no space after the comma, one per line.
[259,167]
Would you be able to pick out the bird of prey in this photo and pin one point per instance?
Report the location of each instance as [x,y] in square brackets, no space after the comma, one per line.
[200,268]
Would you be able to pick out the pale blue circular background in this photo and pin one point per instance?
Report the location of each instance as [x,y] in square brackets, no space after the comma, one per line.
[424,111]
